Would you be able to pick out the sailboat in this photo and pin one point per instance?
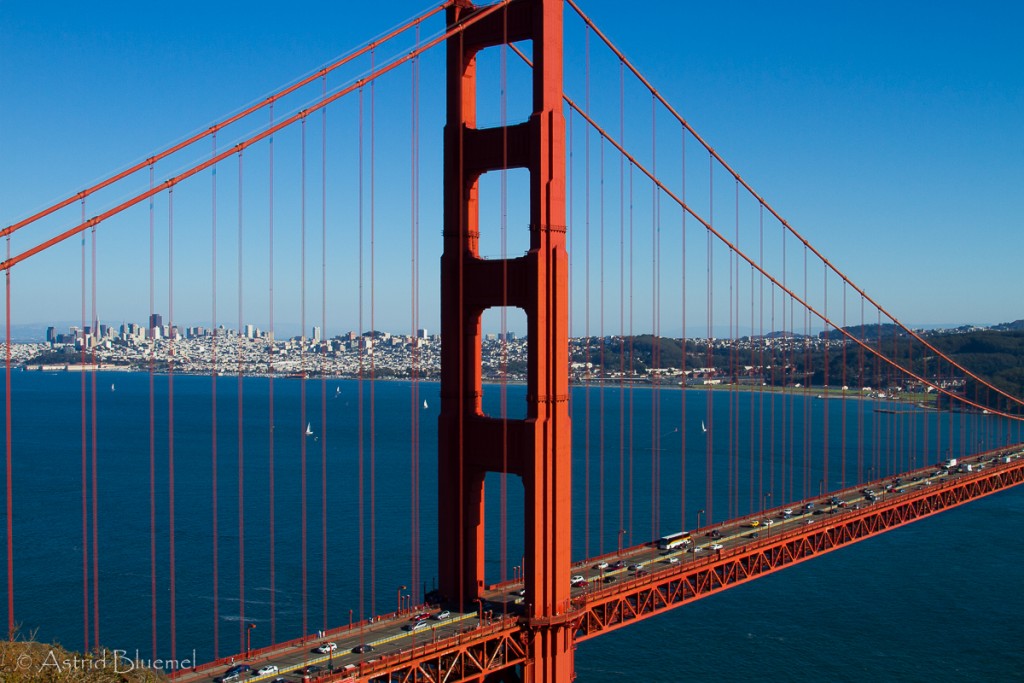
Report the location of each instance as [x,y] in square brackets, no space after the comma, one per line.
[309,429]
[112,387]
[702,427]
[424,404]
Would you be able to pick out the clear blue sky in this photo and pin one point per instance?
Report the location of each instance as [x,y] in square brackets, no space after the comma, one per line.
[889,134]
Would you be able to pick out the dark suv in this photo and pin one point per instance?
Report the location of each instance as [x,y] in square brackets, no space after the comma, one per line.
[234,673]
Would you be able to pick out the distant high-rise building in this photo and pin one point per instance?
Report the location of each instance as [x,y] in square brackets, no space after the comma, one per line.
[156,320]
[421,333]
[51,334]
[316,335]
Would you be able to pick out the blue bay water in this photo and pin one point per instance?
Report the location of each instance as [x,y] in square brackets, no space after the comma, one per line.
[936,601]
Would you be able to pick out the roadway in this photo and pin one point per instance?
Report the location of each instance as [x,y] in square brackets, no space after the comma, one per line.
[389,636]
[711,541]
[380,638]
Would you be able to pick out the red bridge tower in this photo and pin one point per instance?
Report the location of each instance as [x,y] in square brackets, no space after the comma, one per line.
[471,444]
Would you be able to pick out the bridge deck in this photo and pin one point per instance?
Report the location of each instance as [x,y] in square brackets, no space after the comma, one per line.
[638,582]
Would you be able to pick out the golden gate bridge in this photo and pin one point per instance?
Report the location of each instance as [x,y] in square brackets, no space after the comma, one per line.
[601,223]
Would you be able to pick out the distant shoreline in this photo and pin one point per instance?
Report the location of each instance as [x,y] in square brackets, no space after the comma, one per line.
[817,392]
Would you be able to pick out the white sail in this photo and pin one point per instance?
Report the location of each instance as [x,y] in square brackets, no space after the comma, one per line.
[309,429]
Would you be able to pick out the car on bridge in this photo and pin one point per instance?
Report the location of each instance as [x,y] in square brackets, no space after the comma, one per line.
[327,648]
[362,649]
[416,626]
[234,673]
[266,670]
[443,614]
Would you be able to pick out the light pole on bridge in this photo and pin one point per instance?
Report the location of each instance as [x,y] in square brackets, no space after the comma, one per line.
[621,533]
[399,598]
[764,505]
[248,638]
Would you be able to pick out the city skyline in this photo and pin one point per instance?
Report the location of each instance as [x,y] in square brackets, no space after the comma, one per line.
[881,144]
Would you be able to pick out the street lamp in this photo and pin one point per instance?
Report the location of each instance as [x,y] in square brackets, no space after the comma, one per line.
[480,613]
[699,513]
[621,532]
[764,504]
[399,598]
[248,639]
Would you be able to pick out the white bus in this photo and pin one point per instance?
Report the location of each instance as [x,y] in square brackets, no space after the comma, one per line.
[673,541]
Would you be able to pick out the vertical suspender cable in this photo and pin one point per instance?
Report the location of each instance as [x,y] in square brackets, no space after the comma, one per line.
[7,434]
[682,340]
[785,447]
[302,381]
[656,346]
[271,466]
[622,304]
[85,473]
[241,412]
[825,395]
[362,357]
[734,485]
[760,355]
[843,403]
[586,288]
[806,395]
[414,408]
[323,355]
[504,293]
[171,326]
[95,493]
[860,407]
[709,441]
[773,357]
[152,438]
[373,356]
[213,406]
[603,375]
[754,414]
[85,460]
[632,370]
[733,480]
